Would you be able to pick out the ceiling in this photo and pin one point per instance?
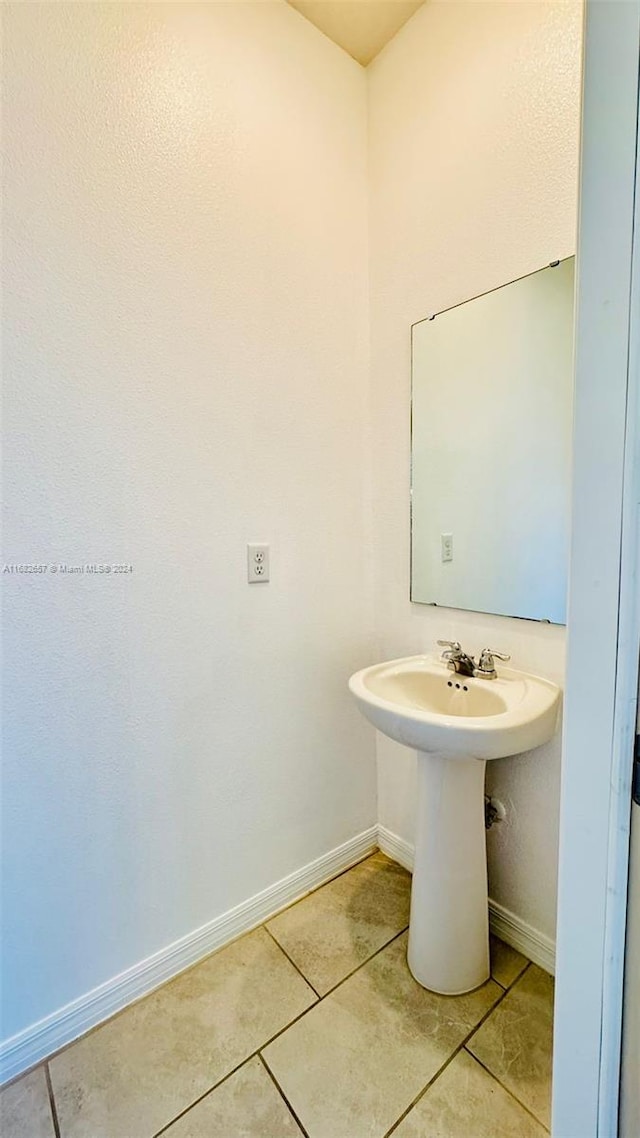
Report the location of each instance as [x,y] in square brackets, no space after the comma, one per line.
[361,27]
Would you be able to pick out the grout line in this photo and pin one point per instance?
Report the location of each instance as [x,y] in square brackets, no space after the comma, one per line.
[257,1052]
[52,1101]
[253,1055]
[285,953]
[197,1101]
[357,968]
[506,1089]
[490,1013]
[339,984]
[512,983]
[520,975]
[461,1046]
[281,1093]
[210,1090]
[183,972]
[319,999]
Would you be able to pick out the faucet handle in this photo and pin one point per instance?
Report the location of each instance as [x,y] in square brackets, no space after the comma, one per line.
[496,655]
[486,663]
[452,648]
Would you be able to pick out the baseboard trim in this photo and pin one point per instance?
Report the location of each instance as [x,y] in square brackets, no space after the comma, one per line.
[24,1050]
[40,1041]
[502,922]
[395,847]
[516,932]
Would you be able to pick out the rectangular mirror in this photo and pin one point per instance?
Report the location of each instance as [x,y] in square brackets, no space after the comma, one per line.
[492,383]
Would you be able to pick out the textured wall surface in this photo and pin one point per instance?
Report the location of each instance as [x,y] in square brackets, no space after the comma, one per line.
[473,129]
[185,371]
[186,353]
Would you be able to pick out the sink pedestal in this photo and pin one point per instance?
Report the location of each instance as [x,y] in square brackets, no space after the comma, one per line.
[449,929]
[455,723]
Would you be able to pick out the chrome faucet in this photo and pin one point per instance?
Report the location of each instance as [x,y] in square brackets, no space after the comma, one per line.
[486,669]
[465,665]
[457,660]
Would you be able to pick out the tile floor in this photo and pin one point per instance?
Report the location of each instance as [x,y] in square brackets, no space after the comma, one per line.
[311,1025]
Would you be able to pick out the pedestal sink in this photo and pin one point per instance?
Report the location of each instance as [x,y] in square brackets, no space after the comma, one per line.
[455,723]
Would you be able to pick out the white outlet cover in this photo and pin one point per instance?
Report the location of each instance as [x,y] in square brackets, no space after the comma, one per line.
[257,563]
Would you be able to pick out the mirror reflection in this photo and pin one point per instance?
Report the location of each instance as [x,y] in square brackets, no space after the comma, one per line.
[492,385]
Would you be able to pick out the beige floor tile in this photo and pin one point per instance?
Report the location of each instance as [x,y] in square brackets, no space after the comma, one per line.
[24,1108]
[466,1102]
[506,963]
[516,1041]
[247,1105]
[352,1064]
[140,1070]
[338,927]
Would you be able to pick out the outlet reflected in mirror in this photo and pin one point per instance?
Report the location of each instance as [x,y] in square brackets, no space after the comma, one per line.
[492,383]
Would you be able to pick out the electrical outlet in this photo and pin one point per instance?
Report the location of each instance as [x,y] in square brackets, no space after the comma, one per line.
[257,563]
[446,546]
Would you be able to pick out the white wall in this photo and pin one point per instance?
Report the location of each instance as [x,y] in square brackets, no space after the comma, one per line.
[186,362]
[474,115]
[185,371]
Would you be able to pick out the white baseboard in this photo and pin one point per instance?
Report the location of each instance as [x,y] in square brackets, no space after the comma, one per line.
[502,922]
[42,1039]
[395,847]
[516,932]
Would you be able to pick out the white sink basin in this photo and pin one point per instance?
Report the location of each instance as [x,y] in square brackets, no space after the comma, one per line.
[421,703]
[455,723]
